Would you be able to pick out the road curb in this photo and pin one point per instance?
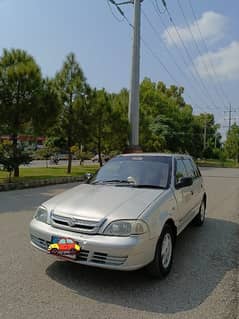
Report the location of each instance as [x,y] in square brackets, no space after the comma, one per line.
[40,183]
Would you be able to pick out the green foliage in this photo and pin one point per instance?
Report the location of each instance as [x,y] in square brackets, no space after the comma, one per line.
[48,108]
[24,97]
[167,122]
[72,90]
[81,155]
[232,143]
[48,151]
[109,126]
[71,114]
[10,161]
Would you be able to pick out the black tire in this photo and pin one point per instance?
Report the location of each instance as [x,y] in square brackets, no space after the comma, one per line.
[73,251]
[54,251]
[157,269]
[200,217]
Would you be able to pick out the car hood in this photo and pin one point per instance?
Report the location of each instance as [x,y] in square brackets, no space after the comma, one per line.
[103,201]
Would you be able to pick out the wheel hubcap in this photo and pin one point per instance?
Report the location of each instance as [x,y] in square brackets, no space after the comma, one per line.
[166,251]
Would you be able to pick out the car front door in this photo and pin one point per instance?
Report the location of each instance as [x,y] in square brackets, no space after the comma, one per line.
[184,195]
[197,183]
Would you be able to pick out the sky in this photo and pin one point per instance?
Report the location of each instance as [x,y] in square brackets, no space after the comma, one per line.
[208,69]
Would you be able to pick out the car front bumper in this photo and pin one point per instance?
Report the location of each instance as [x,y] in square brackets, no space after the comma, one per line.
[121,253]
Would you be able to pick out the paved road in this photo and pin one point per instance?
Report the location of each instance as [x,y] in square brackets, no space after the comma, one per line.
[203,283]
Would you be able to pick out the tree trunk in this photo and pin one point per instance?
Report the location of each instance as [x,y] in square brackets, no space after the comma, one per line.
[69,144]
[99,151]
[16,171]
[14,145]
[69,161]
[69,153]
[10,177]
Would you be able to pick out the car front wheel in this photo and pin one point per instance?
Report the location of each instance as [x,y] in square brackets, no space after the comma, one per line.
[162,263]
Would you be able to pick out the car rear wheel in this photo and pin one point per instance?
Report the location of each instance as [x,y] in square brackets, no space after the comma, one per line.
[162,263]
[200,217]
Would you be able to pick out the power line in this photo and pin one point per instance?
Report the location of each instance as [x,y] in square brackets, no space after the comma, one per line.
[182,55]
[157,7]
[156,57]
[112,12]
[189,55]
[206,47]
[169,52]
[199,50]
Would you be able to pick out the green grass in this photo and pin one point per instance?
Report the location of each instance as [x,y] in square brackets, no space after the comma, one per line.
[217,163]
[35,173]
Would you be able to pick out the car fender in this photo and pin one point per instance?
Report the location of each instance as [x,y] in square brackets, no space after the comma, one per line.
[161,210]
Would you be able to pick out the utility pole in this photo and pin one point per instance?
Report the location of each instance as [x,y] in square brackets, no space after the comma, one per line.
[133,113]
[230,117]
[205,134]
[230,111]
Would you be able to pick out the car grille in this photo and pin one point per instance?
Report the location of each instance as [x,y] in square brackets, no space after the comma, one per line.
[75,224]
[40,242]
[101,258]
[85,256]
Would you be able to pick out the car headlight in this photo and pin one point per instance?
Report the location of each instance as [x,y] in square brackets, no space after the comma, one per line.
[42,215]
[126,228]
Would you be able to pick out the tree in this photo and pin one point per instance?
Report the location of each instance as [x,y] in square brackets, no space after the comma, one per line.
[100,113]
[165,118]
[109,127]
[232,143]
[119,137]
[24,97]
[11,159]
[167,122]
[71,85]
[49,150]
[207,120]
[48,109]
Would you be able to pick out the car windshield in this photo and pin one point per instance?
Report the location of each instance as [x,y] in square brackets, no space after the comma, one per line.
[138,171]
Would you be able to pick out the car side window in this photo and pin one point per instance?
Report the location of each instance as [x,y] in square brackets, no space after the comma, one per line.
[62,241]
[196,169]
[69,241]
[189,168]
[180,170]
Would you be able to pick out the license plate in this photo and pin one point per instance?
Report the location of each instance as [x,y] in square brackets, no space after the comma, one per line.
[64,247]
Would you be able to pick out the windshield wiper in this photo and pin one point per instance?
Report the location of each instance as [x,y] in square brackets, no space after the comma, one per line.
[149,186]
[119,181]
[129,183]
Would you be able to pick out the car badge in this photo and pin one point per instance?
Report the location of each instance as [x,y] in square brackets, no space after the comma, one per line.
[72,222]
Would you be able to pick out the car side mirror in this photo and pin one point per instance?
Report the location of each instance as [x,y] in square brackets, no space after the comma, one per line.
[88,176]
[184,182]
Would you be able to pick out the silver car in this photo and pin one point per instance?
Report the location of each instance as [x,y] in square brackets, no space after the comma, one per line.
[128,215]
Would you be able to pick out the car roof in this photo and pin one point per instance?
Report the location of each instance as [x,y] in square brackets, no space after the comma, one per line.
[157,154]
